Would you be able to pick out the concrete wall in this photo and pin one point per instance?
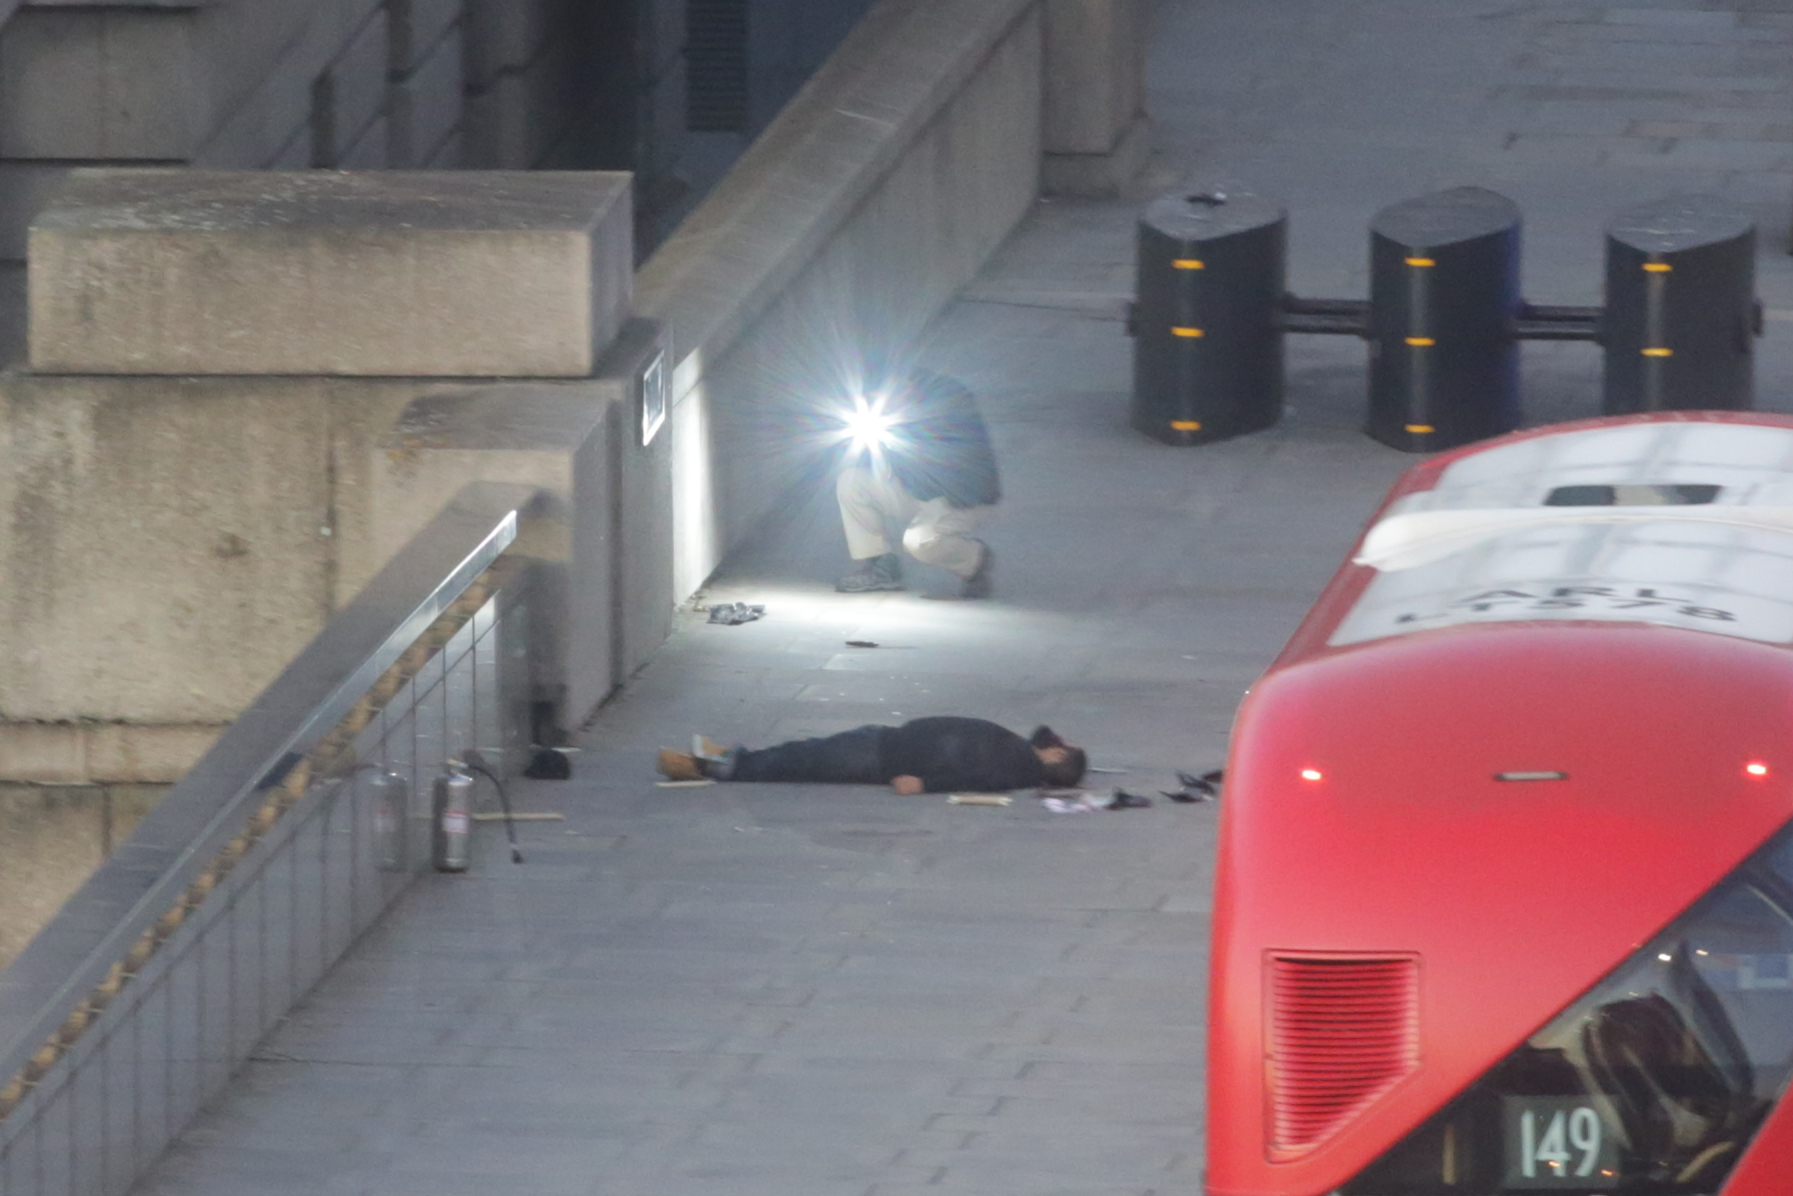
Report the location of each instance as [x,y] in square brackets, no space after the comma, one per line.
[50,840]
[169,543]
[609,582]
[1095,123]
[872,198]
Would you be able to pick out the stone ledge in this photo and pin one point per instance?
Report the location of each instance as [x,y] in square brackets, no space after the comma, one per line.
[526,274]
[100,753]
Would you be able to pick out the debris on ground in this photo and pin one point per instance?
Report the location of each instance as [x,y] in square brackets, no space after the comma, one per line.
[1205,787]
[1087,803]
[548,764]
[732,613]
[1122,800]
[979,799]
[683,784]
[862,643]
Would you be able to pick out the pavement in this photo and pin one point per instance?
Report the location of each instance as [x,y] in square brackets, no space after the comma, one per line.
[808,991]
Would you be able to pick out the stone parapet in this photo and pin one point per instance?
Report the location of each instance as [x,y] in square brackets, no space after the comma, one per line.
[487,274]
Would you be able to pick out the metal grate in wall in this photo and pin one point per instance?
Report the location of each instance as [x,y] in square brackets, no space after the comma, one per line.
[716,62]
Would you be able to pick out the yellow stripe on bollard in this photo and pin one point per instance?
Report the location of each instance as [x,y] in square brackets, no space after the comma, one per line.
[1659,352]
[1421,429]
[1657,267]
[1190,333]
[1421,261]
[1189,263]
[1421,342]
[1186,425]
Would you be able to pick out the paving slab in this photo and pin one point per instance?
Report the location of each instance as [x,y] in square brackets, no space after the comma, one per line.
[811,991]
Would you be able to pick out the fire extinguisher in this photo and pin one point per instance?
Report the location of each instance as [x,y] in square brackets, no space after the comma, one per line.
[452,819]
[392,813]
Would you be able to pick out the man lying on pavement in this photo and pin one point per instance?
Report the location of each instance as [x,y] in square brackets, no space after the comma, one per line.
[943,754]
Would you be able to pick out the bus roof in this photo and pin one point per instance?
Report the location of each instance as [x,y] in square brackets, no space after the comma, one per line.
[1669,521]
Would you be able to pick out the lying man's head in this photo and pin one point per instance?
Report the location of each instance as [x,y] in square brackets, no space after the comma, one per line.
[1065,762]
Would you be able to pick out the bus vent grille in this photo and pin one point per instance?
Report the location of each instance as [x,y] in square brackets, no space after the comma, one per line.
[1343,1031]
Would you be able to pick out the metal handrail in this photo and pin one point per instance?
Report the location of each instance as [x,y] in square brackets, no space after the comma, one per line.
[297,732]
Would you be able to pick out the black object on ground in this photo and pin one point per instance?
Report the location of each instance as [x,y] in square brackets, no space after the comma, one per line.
[862,643]
[1128,801]
[732,613]
[1203,788]
[546,764]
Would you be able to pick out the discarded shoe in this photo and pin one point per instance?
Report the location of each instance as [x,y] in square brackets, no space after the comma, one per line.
[734,613]
[874,574]
[546,764]
[980,584]
[679,766]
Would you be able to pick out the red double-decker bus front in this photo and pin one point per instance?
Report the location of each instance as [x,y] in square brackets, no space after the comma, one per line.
[1505,894]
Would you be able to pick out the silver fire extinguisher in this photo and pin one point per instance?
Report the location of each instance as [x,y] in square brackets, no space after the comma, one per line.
[392,811]
[452,818]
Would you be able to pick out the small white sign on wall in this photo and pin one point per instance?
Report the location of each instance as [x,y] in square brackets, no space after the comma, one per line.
[653,398]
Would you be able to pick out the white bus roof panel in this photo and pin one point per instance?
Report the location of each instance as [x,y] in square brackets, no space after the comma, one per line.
[1490,543]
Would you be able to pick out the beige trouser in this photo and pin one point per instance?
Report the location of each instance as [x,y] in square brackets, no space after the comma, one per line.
[937,532]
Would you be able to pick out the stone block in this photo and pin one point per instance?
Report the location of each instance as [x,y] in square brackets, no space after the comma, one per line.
[551,437]
[1098,176]
[84,753]
[134,754]
[43,753]
[605,597]
[99,83]
[24,189]
[1094,76]
[427,105]
[147,522]
[190,272]
[50,842]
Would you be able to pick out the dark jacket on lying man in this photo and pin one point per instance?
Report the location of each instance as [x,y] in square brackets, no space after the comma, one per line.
[926,755]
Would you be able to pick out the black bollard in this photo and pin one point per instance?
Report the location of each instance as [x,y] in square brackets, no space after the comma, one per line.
[1207,351]
[1444,295]
[1681,314]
